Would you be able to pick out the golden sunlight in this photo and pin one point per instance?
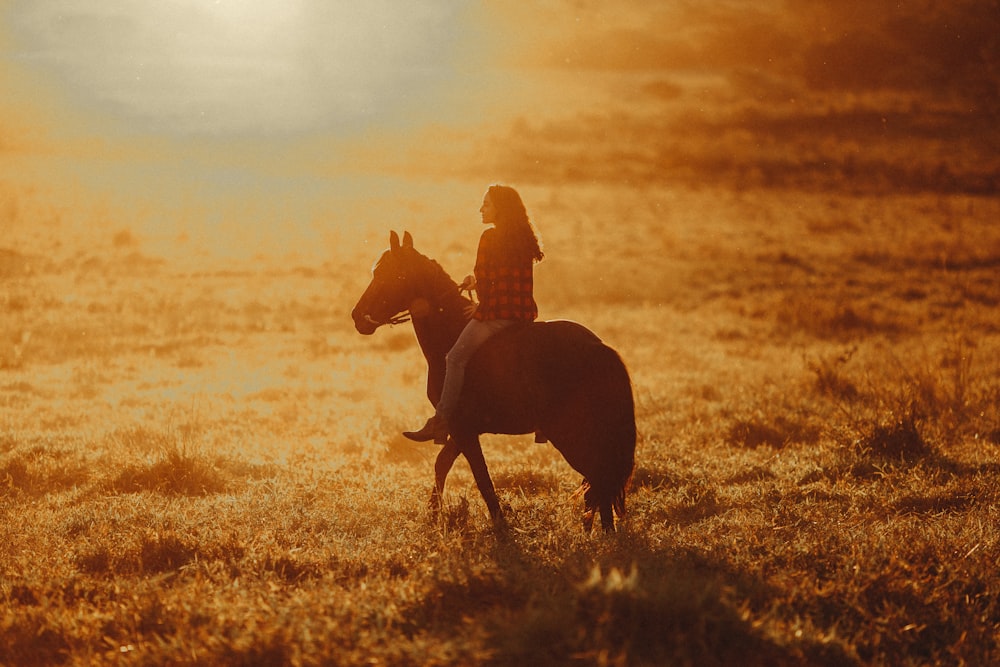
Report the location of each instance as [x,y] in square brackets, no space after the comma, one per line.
[777,218]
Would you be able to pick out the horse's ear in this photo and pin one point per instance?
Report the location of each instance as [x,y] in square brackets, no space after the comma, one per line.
[407,240]
[393,241]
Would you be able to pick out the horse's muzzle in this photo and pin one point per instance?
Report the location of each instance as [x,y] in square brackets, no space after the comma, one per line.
[364,323]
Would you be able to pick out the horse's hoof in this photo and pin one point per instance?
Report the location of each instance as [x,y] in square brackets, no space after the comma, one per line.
[500,525]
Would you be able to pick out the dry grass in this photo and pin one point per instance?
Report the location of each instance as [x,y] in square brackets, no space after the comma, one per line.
[203,468]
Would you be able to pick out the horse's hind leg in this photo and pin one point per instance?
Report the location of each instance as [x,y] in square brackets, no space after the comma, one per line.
[592,505]
[607,517]
[442,466]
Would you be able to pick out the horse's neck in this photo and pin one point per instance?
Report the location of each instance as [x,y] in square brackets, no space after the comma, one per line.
[437,332]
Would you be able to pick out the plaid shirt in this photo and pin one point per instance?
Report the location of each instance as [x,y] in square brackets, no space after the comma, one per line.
[504,283]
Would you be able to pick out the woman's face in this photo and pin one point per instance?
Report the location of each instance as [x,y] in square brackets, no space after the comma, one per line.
[488,210]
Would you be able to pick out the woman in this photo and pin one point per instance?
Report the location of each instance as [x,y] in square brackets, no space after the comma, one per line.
[503,280]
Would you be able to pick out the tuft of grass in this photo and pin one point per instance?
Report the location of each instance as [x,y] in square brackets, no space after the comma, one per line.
[830,378]
[165,551]
[46,467]
[898,440]
[176,472]
[139,439]
[884,443]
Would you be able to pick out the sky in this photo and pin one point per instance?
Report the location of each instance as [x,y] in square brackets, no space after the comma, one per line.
[258,108]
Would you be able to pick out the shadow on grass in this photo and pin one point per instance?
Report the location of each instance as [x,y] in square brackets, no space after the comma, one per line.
[527,481]
[623,602]
[653,478]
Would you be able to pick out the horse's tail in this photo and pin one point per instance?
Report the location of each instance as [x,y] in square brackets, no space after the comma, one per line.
[626,453]
[619,428]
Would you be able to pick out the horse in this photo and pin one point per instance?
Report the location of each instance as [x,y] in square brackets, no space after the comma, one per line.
[551,377]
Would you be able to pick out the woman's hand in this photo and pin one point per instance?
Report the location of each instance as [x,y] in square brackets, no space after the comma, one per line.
[469,284]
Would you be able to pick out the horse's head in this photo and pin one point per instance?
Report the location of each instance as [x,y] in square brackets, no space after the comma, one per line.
[398,289]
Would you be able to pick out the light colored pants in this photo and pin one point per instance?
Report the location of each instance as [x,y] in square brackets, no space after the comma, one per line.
[475,333]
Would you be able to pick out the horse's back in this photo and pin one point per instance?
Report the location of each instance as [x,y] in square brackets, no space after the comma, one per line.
[525,353]
[530,374]
[563,330]
[552,339]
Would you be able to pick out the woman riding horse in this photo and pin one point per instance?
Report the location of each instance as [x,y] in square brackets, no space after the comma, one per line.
[555,376]
[504,282]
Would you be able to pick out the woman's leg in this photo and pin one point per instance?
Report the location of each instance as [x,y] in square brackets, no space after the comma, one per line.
[475,333]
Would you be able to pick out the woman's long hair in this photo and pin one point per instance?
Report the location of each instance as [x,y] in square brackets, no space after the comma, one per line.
[512,224]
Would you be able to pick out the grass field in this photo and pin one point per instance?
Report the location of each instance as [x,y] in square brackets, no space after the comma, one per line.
[200,460]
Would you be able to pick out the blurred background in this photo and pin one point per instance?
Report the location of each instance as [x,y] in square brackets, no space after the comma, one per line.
[232,129]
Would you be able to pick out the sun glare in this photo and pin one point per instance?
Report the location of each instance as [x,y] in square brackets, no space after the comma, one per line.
[253,11]
[241,66]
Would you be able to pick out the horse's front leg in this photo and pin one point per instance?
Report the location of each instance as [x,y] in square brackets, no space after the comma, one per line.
[442,466]
[473,451]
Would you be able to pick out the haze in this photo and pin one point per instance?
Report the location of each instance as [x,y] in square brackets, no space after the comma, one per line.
[294,119]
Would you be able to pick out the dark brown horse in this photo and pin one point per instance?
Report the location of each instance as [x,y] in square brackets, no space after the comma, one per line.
[554,377]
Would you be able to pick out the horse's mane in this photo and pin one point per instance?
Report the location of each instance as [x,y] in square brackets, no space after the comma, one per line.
[439,274]
[440,282]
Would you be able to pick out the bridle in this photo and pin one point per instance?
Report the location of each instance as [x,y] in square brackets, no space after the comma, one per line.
[405,316]
[399,318]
